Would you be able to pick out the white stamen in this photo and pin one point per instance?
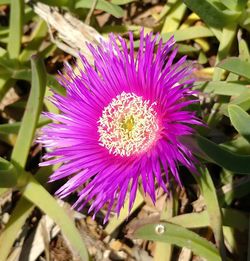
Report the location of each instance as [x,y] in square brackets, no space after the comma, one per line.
[128,125]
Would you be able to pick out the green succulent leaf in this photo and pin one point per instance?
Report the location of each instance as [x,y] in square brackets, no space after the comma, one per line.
[240,120]
[122,2]
[104,5]
[16,28]
[8,175]
[214,213]
[211,14]
[232,88]
[236,163]
[13,128]
[236,65]
[31,115]
[180,236]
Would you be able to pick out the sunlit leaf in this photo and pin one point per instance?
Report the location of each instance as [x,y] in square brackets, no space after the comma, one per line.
[163,251]
[104,5]
[222,87]
[122,2]
[13,128]
[31,115]
[211,14]
[243,50]
[191,220]
[237,66]
[179,236]
[189,33]
[5,84]
[243,101]
[231,4]
[16,28]
[61,3]
[226,40]
[174,17]
[214,213]
[240,120]
[231,217]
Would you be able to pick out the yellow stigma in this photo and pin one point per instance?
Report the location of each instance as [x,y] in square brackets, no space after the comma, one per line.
[128,125]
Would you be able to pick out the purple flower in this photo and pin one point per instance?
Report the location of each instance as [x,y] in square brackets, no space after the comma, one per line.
[121,123]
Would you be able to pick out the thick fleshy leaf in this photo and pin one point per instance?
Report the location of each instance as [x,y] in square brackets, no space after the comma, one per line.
[163,251]
[231,4]
[8,175]
[5,84]
[104,5]
[13,128]
[231,217]
[236,163]
[31,115]
[186,34]
[122,2]
[174,17]
[240,120]
[243,50]
[211,14]
[180,236]
[226,40]
[214,213]
[60,3]
[189,33]
[191,220]
[236,65]
[16,28]
[242,100]
[222,87]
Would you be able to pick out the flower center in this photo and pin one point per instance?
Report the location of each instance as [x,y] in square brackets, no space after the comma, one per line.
[128,125]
